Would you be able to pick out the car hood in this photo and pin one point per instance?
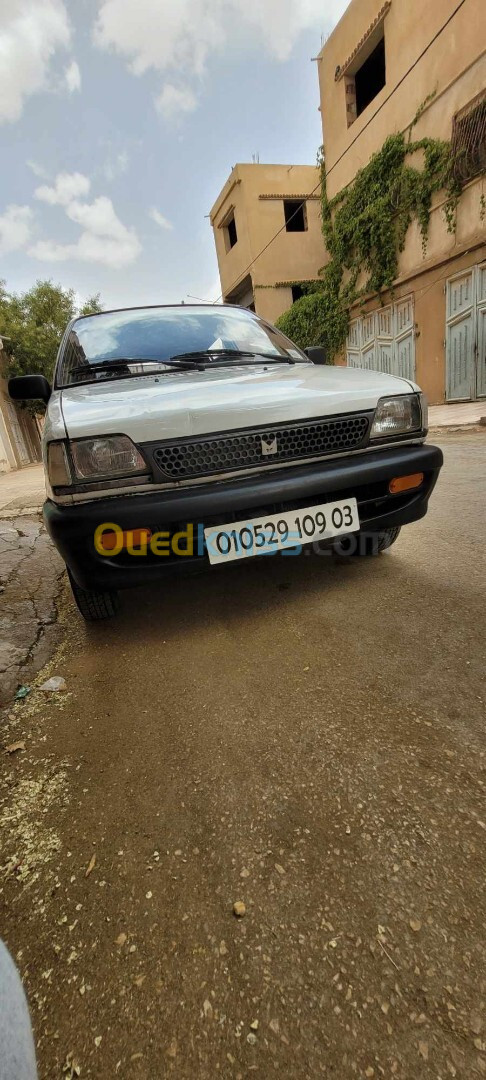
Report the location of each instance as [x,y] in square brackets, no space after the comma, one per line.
[191,403]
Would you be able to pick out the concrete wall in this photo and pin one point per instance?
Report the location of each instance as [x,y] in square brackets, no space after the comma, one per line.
[7,456]
[232,264]
[452,66]
[270,303]
[291,256]
[453,69]
[19,436]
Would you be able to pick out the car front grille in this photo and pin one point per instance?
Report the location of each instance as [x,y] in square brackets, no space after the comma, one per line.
[187,459]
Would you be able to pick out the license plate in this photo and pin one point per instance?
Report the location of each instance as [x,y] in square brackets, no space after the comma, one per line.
[270,533]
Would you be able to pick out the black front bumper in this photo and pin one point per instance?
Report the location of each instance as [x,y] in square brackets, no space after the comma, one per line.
[364,476]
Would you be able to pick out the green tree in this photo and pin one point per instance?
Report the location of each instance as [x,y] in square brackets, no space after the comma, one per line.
[320,317]
[33,323]
[92,305]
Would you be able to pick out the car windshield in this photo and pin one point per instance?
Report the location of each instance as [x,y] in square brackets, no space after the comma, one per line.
[143,338]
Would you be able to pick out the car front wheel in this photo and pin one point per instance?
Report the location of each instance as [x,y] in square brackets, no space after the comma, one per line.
[92,604]
[367,543]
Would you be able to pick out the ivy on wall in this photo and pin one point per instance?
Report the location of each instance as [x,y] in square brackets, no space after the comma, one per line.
[365,228]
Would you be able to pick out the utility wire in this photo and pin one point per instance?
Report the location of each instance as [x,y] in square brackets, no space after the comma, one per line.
[368,122]
[399,83]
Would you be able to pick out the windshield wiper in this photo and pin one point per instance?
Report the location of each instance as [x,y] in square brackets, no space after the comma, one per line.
[123,362]
[181,362]
[224,354]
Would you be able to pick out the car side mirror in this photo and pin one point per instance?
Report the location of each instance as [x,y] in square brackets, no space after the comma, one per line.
[29,387]
[316,353]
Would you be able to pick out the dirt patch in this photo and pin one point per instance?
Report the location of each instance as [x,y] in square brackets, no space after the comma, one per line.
[304,737]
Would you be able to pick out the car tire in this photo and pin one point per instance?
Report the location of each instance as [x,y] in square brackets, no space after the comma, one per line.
[92,604]
[366,544]
[387,537]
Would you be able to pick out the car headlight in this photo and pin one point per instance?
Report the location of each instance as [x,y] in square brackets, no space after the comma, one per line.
[398,416]
[106,457]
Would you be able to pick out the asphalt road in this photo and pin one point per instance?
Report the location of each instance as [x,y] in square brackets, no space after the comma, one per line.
[304,735]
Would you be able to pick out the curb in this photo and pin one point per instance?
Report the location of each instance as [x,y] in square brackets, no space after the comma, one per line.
[476,428]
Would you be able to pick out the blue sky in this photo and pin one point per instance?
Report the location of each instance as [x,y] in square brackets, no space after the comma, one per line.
[120,121]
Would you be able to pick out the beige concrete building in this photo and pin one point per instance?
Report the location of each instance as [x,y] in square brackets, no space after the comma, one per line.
[19,435]
[381,63]
[278,205]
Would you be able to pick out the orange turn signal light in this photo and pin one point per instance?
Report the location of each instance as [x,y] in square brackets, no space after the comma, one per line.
[131,538]
[405,483]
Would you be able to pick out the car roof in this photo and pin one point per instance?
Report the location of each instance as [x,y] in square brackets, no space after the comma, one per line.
[156,307]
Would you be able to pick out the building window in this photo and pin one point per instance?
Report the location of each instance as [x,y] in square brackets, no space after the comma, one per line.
[297,293]
[469,139]
[370,78]
[230,233]
[295,215]
[364,71]
[242,294]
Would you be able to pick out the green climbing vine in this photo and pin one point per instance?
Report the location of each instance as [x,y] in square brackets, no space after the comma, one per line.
[365,226]
[482,207]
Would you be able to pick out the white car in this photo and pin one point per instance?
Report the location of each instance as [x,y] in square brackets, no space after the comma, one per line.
[182,434]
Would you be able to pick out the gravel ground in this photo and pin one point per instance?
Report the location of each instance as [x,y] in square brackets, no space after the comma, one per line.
[305,736]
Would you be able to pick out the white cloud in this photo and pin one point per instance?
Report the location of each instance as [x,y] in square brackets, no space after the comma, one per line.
[104,238]
[31,31]
[184,35]
[50,251]
[72,76]
[14,228]
[174,100]
[163,34]
[38,170]
[67,186]
[160,219]
[97,217]
[281,21]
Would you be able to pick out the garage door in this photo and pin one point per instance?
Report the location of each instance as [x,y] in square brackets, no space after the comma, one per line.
[384,340]
[466,335]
